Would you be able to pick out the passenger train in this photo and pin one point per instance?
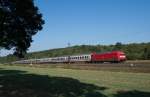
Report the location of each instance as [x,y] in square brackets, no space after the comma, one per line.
[114,56]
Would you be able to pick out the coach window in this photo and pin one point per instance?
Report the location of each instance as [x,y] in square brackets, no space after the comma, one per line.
[85,57]
[82,57]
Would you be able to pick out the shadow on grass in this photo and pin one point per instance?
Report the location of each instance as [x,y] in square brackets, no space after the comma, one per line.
[133,93]
[15,83]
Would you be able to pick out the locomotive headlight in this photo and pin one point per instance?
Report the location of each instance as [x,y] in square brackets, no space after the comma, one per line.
[122,56]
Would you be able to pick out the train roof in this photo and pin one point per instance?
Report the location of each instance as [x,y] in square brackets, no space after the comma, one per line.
[115,51]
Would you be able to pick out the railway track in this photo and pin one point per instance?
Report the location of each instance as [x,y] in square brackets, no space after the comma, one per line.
[128,66]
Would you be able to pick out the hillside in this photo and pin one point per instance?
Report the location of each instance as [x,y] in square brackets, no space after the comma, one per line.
[134,51]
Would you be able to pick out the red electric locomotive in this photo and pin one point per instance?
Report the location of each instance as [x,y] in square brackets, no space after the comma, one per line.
[114,56]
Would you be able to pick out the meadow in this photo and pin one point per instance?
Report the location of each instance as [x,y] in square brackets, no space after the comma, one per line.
[20,81]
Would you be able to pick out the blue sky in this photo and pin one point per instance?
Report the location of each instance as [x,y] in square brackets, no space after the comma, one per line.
[92,22]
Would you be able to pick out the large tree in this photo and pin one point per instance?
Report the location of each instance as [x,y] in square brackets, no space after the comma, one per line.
[19,21]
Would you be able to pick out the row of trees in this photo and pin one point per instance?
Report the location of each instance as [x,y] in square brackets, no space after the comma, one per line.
[134,51]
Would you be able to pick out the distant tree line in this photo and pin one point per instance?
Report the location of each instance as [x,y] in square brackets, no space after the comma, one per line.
[133,51]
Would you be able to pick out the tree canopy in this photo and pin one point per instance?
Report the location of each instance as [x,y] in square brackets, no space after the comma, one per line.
[19,21]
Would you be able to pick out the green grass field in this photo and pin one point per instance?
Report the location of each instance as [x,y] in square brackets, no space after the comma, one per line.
[19,81]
